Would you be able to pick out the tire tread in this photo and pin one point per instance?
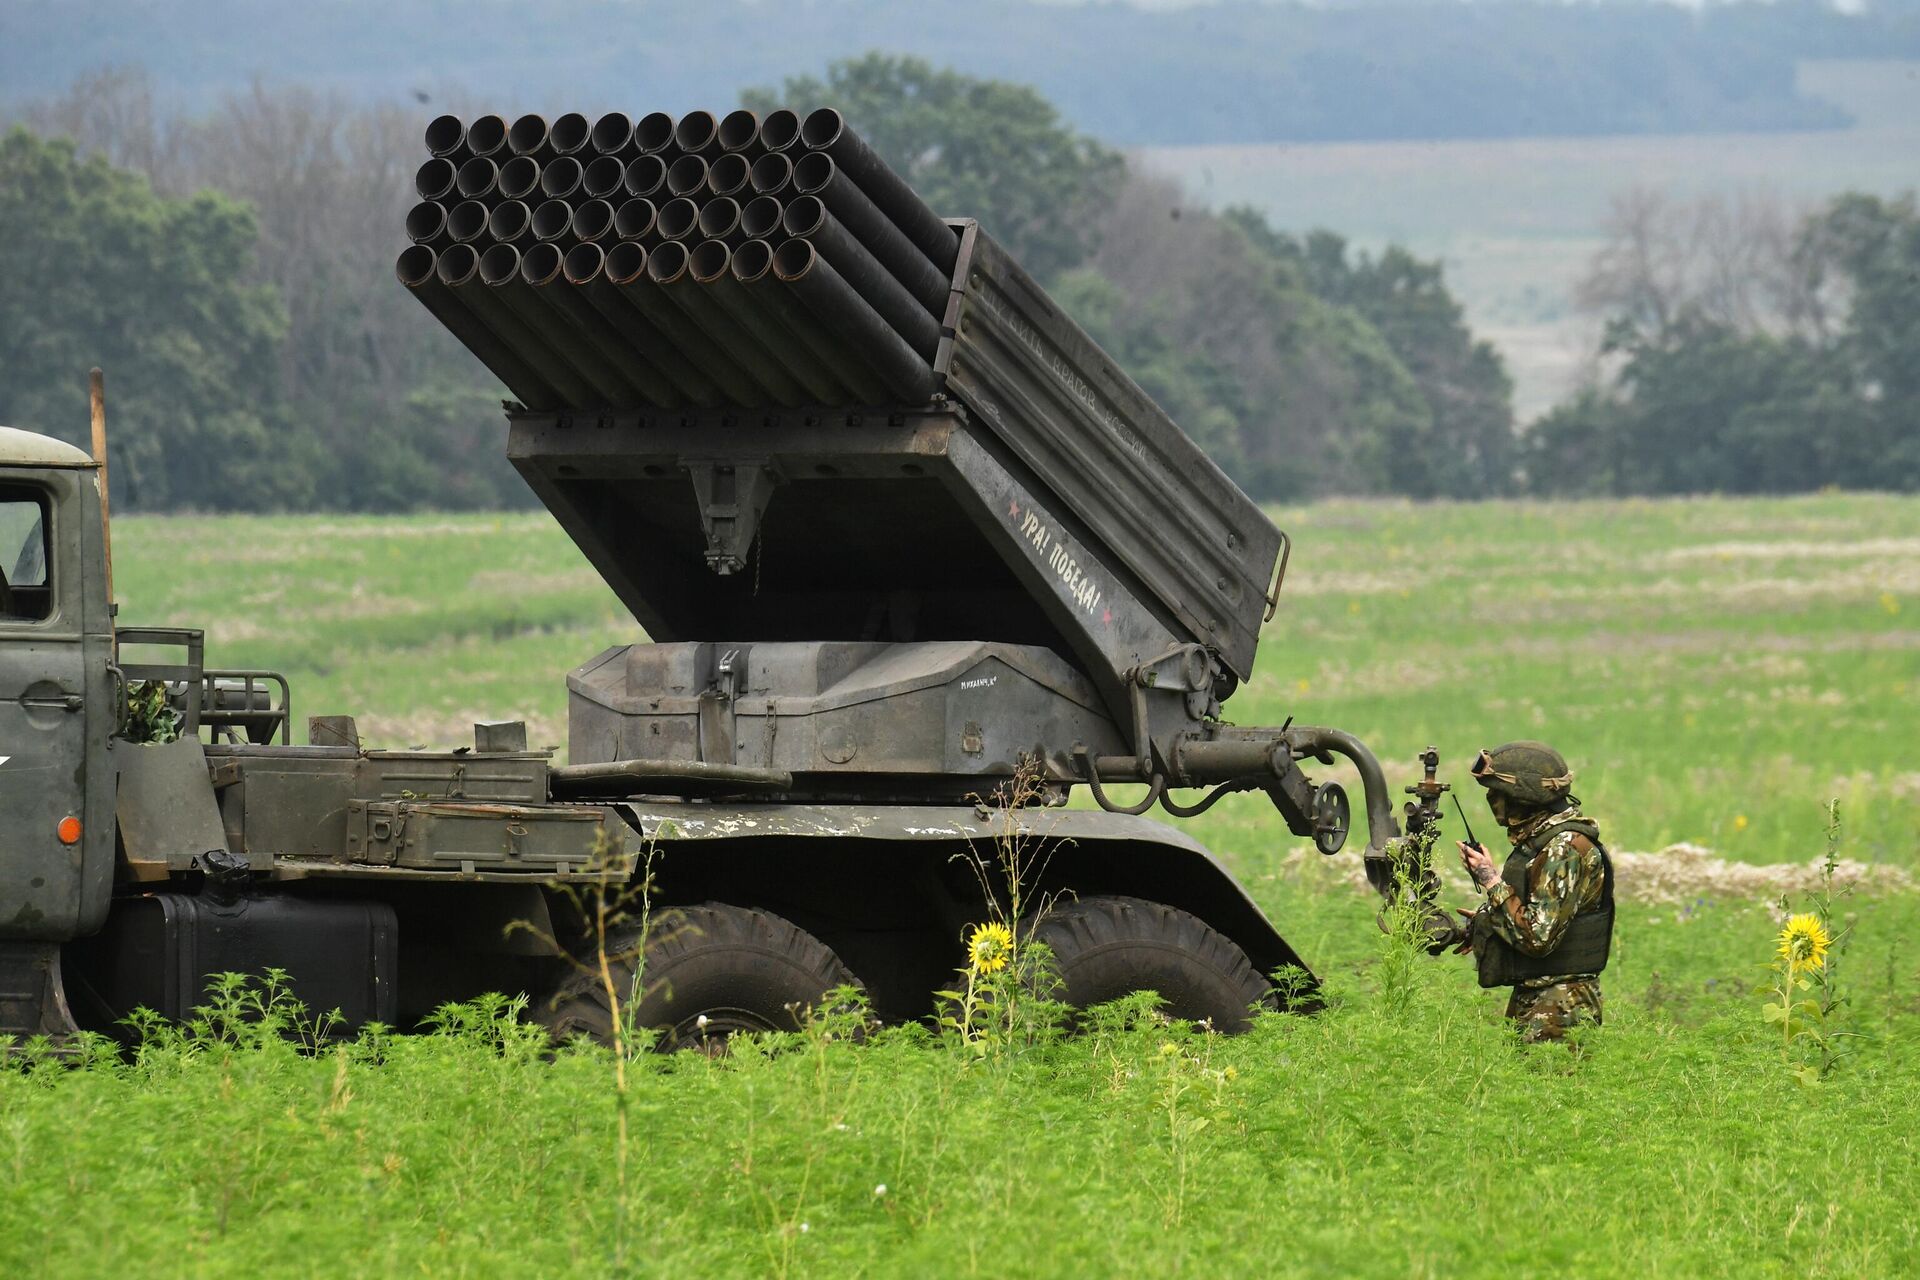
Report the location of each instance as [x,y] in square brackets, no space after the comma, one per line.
[1097,940]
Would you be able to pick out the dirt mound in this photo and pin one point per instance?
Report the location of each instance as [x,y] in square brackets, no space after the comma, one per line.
[1678,873]
[1684,872]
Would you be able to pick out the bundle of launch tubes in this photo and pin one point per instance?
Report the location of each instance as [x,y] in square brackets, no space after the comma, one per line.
[668,263]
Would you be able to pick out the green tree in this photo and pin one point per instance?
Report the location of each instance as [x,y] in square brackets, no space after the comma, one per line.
[326,181]
[1704,396]
[100,270]
[1700,407]
[1875,244]
[973,147]
[1292,394]
[1195,390]
[1461,379]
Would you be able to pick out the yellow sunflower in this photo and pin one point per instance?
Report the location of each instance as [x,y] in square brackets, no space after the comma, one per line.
[1803,943]
[989,947]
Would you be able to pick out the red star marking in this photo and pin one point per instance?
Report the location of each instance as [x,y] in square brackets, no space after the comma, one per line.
[1013,507]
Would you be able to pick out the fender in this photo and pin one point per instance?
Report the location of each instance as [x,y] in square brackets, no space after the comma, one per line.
[1085,852]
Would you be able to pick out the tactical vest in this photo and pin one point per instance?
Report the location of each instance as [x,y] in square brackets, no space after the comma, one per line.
[1583,948]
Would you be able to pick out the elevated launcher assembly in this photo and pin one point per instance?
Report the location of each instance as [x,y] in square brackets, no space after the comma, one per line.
[894,522]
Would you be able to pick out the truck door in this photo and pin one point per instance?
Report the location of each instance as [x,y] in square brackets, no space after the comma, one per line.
[47,881]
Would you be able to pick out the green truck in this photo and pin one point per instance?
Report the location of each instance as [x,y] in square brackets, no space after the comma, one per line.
[864,618]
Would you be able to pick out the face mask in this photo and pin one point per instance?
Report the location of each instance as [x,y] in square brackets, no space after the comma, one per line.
[1498,804]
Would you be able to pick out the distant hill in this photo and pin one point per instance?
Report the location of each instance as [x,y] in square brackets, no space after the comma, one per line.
[1234,72]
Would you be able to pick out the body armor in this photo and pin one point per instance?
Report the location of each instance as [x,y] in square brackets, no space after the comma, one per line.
[1583,949]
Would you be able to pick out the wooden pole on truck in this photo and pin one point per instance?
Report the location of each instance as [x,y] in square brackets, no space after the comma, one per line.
[97,398]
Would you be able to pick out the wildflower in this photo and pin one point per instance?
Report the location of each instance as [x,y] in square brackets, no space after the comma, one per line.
[1803,943]
[1168,1048]
[1230,1073]
[880,1190]
[989,947]
[1739,822]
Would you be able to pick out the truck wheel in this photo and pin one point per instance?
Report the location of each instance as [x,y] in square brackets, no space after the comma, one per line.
[711,970]
[1108,947]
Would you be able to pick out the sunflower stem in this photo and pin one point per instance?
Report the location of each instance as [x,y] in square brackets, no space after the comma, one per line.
[1786,1012]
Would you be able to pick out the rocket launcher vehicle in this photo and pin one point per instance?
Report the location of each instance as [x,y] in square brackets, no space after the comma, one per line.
[895,525]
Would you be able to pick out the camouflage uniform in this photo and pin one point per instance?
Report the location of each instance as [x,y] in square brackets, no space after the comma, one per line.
[1562,879]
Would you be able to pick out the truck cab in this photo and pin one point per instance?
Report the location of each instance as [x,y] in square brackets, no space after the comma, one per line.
[57,721]
[134,866]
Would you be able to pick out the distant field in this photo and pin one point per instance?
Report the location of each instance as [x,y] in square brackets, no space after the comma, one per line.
[1516,220]
[1704,661]
[1716,671]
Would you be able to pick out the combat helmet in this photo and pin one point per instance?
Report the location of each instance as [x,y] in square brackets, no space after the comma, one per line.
[1532,774]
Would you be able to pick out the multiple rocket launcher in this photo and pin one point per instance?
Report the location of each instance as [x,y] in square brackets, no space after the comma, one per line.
[747,288]
[699,262]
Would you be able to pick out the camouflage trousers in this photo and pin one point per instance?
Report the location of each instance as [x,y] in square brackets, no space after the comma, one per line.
[1549,1013]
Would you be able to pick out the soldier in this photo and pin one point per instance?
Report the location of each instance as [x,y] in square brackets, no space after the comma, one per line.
[1548,922]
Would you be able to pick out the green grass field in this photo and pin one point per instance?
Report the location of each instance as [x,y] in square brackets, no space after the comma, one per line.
[1716,670]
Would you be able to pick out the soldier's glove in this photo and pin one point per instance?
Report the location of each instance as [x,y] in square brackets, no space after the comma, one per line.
[1465,929]
[1441,932]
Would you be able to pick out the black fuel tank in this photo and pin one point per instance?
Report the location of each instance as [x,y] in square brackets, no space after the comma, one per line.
[160,950]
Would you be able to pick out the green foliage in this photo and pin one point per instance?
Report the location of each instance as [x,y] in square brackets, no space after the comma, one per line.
[150,715]
[1461,381]
[1300,371]
[1196,389]
[1766,669]
[100,270]
[1709,667]
[1874,244]
[1404,964]
[1007,999]
[1378,435]
[441,451]
[372,406]
[1675,1145]
[1704,408]
[1705,402]
[1817,1022]
[971,146]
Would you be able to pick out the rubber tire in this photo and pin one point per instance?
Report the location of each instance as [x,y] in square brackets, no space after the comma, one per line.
[1107,947]
[742,968]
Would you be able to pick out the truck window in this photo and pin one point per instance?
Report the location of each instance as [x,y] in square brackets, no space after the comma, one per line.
[25,593]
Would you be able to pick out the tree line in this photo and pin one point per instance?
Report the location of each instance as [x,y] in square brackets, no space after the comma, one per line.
[233,273]
[1746,349]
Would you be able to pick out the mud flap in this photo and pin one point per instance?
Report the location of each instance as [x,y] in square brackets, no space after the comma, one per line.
[33,999]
